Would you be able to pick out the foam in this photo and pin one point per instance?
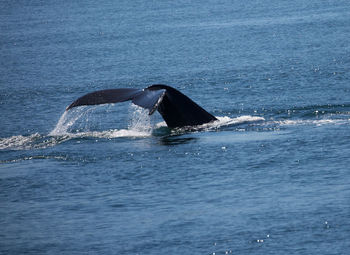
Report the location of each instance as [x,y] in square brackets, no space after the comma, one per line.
[225,121]
[318,122]
[140,126]
[18,141]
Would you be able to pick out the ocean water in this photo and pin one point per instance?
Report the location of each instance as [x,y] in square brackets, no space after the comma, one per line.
[271,176]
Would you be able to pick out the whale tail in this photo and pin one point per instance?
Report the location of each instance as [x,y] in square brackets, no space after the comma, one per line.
[177,109]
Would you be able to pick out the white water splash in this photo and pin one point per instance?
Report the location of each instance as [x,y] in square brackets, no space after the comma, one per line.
[66,121]
[140,120]
[139,125]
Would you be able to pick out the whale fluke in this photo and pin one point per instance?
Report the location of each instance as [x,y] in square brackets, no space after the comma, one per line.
[176,109]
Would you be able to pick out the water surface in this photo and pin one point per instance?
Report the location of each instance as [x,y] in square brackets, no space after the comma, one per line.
[270,177]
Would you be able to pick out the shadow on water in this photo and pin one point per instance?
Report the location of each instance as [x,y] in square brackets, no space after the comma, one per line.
[176,140]
[161,131]
[171,137]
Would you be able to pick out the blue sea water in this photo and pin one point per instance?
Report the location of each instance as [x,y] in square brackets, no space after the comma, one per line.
[271,176]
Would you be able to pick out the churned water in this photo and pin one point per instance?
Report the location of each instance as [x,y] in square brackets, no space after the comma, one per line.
[271,176]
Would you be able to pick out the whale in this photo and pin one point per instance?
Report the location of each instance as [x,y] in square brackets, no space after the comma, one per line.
[177,109]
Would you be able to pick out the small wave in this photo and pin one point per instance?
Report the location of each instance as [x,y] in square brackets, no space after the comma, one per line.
[37,141]
[34,141]
[140,127]
[6,161]
[317,122]
[18,141]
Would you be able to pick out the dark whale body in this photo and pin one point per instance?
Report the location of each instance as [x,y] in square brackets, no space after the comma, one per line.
[176,109]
